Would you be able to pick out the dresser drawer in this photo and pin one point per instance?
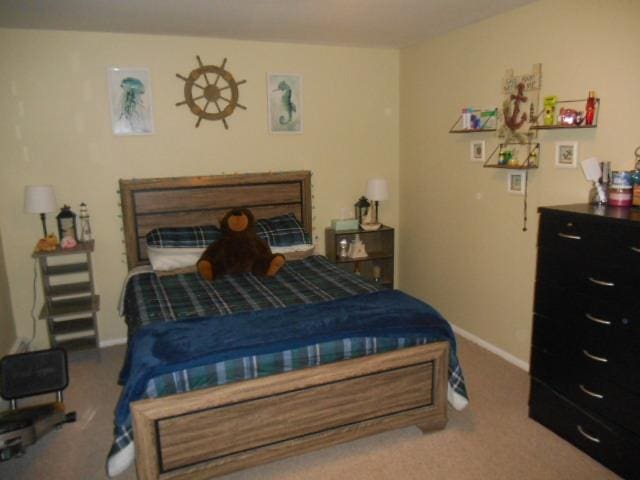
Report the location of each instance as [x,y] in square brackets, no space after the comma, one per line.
[599,278]
[591,392]
[564,319]
[591,236]
[589,354]
[615,448]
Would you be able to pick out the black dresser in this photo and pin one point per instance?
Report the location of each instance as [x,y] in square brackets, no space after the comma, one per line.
[585,354]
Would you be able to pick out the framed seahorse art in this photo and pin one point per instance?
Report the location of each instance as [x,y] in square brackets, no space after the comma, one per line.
[284,94]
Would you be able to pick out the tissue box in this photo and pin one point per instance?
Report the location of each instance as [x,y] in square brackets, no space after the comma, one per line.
[340,225]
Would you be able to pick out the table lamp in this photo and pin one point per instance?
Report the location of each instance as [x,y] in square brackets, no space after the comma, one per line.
[377,191]
[40,199]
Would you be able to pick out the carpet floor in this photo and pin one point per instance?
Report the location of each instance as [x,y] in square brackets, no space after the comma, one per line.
[492,439]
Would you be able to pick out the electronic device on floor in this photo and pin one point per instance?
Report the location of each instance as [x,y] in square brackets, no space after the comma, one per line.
[26,375]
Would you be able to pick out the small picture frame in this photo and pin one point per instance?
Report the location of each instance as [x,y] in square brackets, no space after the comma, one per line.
[566,154]
[517,182]
[477,149]
[130,101]
[284,100]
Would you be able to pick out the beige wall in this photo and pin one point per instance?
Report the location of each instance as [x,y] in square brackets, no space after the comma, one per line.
[7,328]
[462,245]
[55,128]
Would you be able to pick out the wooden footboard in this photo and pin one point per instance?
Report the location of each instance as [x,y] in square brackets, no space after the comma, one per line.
[218,430]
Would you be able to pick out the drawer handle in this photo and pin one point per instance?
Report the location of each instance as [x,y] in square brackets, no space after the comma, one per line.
[597,320]
[599,396]
[635,249]
[594,357]
[569,237]
[601,282]
[587,436]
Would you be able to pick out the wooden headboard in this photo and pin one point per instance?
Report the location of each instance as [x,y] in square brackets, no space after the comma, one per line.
[183,201]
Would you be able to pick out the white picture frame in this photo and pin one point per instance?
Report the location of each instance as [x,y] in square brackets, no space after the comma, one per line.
[566,154]
[284,101]
[130,101]
[517,182]
[477,150]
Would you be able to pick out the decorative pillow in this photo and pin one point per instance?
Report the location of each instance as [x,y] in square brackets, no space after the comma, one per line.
[295,252]
[183,237]
[173,260]
[282,231]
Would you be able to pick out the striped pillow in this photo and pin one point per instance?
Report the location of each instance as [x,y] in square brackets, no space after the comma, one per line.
[183,237]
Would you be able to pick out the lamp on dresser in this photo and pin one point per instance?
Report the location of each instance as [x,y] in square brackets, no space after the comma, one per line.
[40,199]
[377,191]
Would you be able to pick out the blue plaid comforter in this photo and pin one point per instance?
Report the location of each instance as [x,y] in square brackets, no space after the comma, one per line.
[151,300]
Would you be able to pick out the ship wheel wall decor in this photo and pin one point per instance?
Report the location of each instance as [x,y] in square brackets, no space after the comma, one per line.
[200,92]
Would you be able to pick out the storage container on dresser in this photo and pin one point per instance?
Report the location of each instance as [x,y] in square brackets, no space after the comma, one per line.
[585,355]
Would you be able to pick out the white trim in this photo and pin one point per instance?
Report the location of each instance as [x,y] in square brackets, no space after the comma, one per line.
[20,345]
[113,342]
[492,348]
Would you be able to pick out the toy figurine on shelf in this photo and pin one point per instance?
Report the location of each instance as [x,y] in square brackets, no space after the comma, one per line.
[570,118]
[549,109]
[357,248]
[85,226]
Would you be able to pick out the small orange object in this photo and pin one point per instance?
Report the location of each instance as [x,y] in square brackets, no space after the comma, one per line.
[47,244]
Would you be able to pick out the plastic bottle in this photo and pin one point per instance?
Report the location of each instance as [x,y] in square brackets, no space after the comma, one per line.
[590,108]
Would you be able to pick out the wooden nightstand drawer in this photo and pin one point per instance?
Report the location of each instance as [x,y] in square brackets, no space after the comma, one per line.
[614,447]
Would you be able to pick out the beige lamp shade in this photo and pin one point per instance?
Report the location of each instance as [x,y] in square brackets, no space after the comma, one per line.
[39,199]
[377,189]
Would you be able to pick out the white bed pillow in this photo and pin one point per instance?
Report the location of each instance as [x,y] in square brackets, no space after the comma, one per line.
[168,259]
[173,261]
[295,252]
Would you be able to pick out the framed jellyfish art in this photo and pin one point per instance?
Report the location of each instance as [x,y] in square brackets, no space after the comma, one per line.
[130,101]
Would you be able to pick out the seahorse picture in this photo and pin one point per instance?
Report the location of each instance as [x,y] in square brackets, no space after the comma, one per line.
[284,93]
[130,101]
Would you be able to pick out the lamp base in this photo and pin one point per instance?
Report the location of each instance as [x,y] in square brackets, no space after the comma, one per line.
[370,226]
[44,224]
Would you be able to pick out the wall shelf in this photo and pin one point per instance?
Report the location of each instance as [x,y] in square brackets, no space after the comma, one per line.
[486,125]
[580,103]
[498,159]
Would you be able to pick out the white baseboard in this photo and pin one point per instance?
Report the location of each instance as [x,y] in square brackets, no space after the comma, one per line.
[492,348]
[113,342]
[20,345]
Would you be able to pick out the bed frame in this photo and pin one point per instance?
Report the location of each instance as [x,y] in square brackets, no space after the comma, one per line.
[215,431]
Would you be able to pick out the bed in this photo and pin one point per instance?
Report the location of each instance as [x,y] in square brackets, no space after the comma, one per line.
[319,361]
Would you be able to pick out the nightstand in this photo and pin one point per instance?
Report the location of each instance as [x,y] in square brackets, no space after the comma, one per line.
[71,304]
[379,245]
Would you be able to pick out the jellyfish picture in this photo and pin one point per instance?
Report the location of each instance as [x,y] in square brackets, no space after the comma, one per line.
[130,102]
[132,90]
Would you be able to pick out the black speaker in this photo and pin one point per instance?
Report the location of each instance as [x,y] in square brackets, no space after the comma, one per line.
[33,373]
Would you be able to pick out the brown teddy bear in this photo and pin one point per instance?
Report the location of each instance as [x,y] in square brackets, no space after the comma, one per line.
[239,250]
